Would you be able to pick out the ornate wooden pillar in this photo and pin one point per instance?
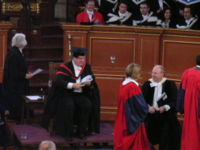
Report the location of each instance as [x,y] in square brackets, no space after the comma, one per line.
[4,27]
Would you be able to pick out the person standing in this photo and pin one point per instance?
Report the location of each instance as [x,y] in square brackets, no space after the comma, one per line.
[161,123]
[15,76]
[129,129]
[188,102]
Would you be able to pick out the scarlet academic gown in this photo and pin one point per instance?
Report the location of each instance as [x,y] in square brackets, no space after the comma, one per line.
[83,17]
[129,130]
[189,103]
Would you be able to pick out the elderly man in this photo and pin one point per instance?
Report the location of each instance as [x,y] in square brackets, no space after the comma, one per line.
[89,16]
[74,98]
[146,17]
[15,76]
[162,125]
[47,145]
[189,22]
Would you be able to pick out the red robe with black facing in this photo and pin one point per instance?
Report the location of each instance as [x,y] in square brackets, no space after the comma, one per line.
[129,130]
[83,17]
[189,103]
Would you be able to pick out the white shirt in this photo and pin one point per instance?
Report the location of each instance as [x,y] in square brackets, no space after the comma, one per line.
[90,14]
[188,21]
[158,93]
[77,71]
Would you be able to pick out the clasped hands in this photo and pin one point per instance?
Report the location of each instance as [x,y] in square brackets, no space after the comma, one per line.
[152,110]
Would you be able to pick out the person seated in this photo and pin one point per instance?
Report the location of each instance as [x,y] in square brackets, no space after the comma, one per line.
[159,6]
[122,17]
[89,16]
[189,22]
[146,17]
[74,98]
[167,22]
[47,145]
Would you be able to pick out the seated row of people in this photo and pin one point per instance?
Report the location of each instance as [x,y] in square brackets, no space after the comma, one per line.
[145,17]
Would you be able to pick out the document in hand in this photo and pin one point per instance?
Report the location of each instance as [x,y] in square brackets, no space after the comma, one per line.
[86,79]
[37,71]
[34,97]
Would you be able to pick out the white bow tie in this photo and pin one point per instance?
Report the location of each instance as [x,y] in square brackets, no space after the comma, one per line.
[154,84]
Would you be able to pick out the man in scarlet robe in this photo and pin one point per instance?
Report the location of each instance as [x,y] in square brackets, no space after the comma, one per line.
[89,16]
[129,130]
[189,103]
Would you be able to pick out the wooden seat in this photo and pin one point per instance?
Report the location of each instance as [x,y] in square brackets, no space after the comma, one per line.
[53,67]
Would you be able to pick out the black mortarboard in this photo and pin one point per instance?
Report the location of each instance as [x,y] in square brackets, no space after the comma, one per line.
[77,51]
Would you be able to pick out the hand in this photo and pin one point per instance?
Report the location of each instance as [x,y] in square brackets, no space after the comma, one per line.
[88,83]
[97,22]
[151,110]
[7,112]
[162,109]
[29,76]
[159,10]
[77,86]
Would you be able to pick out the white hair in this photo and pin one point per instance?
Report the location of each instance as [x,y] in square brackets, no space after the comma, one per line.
[19,40]
[47,145]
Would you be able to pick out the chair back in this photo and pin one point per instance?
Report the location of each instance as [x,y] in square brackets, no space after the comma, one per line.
[53,67]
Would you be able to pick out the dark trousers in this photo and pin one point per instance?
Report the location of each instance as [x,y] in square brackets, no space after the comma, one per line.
[73,107]
[163,130]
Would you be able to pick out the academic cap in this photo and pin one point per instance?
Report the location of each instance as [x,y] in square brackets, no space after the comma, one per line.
[77,51]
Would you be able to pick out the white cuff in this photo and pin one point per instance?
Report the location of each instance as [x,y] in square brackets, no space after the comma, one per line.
[167,107]
[69,85]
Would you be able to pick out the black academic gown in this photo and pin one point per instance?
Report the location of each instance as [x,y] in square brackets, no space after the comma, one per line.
[154,6]
[139,21]
[127,20]
[14,82]
[163,129]
[107,6]
[193,25]
[59,92]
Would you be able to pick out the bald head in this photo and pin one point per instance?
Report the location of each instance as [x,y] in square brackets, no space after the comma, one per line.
[158,73]
[47,145]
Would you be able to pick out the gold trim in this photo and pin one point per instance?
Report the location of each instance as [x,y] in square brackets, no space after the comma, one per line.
[122,71]
[128,32]
[17,6]
[108,75]
[176,80]
[77,31]
[110,38]
[184,36]
[109,107]
[107,112]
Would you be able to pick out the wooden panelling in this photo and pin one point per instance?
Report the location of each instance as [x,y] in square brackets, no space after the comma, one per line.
[109,87]
[175,49]
[4,27]
[106,53]
[178,56]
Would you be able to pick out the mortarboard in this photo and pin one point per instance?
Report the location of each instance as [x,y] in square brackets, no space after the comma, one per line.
[77,51]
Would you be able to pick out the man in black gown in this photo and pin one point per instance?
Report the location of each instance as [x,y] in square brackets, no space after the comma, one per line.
[74,98]
[162,125]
